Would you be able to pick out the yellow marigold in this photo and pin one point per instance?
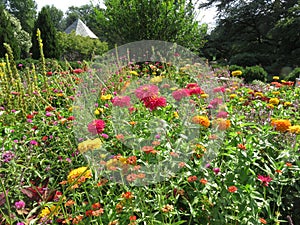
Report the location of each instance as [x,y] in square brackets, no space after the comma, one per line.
[236,73]
[46,211]
[79,174]
[204,96]
[232,96]
[274,101]
[157,79]
[294,129]
[276,78]
[271,106]
[202,120]
[89,145]
[98,111]
[258,94]
[106,97]
[275,92]
[288,104]
[222,124]
[281,125]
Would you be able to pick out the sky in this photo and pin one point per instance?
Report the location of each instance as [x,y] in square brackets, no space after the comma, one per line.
[205,16]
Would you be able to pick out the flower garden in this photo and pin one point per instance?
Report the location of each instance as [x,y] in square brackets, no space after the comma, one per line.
[160,146]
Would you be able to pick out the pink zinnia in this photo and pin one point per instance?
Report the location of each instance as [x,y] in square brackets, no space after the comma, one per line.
[153,103]
[179,94]
[219,89]
[196,91]
[121,101]
[215,102]
[96,126]
[265,180]
[146,91]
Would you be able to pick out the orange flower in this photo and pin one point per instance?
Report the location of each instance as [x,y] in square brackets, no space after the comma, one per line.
[203,181]
[222,124]
[281,125]
[232,189]
[288,164]
[192,179]
[131,160]
[127,195]
[262,220]
[241,146]
[201,120]
[69,203]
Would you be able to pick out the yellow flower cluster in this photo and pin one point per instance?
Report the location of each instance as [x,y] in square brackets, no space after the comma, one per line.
[46,211]
[79,174]
[89,145]
[281,125]
[157,79]
[201,120]
[294,129]
[134,73]
[274,101]
[106,97]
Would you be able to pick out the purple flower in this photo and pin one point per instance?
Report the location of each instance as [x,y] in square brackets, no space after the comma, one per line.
[7,156]
[20,223]
[216,170]
[157,136]
[207,165]
[20,204]
[68,160]
[222,114]
[48,114]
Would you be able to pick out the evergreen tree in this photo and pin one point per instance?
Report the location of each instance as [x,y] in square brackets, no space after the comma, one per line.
[48,35]
[7,34]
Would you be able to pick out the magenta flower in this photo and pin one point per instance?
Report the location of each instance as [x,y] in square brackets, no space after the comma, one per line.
[179,94]
[121,101]
[33,142]
[265,180]
[7,156]
[216,170]
[146,91]
[96,126]
[222,114]
[20,204]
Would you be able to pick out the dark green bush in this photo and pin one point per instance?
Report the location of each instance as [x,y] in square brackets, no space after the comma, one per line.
[254,73]
[294,74]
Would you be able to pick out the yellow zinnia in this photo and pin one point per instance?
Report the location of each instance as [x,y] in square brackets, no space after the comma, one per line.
[134,73]
[204,95]
[294,129]
[236,73]
[232,96]
[274,101]
[157,79]
[276,78]
[106,97]
[89,145]
[79,175]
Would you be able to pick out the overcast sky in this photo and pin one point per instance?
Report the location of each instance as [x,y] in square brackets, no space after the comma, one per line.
[206,16]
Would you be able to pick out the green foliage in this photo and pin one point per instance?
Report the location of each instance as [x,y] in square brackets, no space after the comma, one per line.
[127,21]
[24,10]
[294,74]
[256,32]
[7,34]
[254,73]
[48,34]
[75,47]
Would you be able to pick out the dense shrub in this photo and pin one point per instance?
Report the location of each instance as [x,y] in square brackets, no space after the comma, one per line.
[75,47]
[294,74]
[254,73]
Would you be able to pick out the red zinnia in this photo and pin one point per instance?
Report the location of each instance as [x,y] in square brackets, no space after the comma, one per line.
[96,126]
[153,103]
[232,189]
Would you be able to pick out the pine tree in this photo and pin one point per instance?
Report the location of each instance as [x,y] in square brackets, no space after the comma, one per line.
[48,35]
[7,34]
